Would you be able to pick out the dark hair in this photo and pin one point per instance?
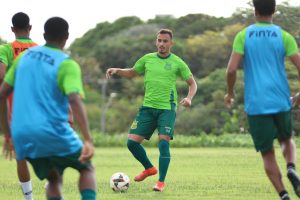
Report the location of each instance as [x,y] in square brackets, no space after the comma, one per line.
[265,7]
[166,31]
[20,20]
[56,28]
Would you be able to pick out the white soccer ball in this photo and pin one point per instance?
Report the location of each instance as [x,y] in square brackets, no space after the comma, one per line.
[119,182]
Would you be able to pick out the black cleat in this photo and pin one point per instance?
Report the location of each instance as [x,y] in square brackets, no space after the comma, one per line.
[285,197]
[295,181]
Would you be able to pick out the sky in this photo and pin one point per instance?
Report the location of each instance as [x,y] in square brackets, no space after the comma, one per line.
[85,15]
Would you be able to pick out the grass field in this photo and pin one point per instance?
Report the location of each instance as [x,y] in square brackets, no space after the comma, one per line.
[194,173]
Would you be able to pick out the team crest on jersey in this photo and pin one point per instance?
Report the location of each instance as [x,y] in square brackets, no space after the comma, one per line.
[134,124]
[168,129]
[168,66]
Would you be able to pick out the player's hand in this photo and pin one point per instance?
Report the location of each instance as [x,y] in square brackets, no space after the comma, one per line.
[186,102]
[8,148]
[296,99]
[110,72]
[87,152]
[229,100]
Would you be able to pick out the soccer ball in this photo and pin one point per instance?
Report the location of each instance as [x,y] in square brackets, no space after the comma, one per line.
[119,182]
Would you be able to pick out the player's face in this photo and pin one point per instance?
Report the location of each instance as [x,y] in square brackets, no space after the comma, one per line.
[163,44]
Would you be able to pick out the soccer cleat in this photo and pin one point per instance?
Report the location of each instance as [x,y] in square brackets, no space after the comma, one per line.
[144,174]
[285,197]
[159,186]
[295,181]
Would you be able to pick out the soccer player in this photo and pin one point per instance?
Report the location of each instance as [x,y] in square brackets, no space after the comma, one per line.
[263,47]
[8,52]
[51,81]
[160,70]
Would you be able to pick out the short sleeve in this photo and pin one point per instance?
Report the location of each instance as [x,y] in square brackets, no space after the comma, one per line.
[69,78]
[10,75]
[239,42]
[290,44]
[139,66]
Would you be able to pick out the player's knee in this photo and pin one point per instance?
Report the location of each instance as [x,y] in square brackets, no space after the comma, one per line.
[164,148]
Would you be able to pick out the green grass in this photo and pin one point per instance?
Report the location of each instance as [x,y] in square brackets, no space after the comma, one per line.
[194,173]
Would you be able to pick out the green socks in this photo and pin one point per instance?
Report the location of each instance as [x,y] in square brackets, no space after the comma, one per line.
[164,159]
[139,153]
[88,194]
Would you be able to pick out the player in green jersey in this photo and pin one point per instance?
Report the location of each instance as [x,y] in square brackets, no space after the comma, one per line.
[160,70]
[8,52]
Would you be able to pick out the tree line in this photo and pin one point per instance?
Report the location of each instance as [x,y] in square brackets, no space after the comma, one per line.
[203,41]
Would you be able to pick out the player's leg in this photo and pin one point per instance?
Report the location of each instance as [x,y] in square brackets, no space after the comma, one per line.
[24,178]
[53,188]
[22,168]
[164,161]
[87,183]
[288,146]
[263,130]
[272,170]
[142,128]
[166,123]
[138,151]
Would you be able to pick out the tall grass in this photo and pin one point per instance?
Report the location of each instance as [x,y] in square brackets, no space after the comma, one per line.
[194,173]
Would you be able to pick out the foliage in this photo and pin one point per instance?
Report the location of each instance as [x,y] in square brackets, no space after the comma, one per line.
[180,141]
[204,42]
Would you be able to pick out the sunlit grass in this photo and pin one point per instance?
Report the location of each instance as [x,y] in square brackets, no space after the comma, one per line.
[194,173]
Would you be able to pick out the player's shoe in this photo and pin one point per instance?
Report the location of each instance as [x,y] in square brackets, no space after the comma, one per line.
[295,181]
[285,197]
[159,186]
[144,174]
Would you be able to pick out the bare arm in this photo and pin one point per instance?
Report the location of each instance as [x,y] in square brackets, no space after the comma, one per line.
[7,149]
[187,101]
[81,118]
[128,72]
[5,91]
[232,67]
[295,59]
[2,71]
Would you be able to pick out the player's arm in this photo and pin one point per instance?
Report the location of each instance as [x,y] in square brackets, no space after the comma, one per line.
[8,149]
[231,70]
[187,101]
[127,72]
[295,59]
[5,91]
[232,66]
[2,71]
[81,118]
[70,83]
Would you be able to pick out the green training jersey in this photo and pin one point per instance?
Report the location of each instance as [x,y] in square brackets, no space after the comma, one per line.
[68,76]
[9,51]
[160,76]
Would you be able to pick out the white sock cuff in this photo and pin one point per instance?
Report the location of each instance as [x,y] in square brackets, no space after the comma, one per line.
[26,186]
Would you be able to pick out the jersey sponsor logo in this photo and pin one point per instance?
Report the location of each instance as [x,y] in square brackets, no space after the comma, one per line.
[263,33]
[40,56]
[134,124]
[168,66]
[19,47]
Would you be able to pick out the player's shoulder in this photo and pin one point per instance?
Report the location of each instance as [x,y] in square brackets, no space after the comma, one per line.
[6,46]
[176,58]
[150,55]
[70,61]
